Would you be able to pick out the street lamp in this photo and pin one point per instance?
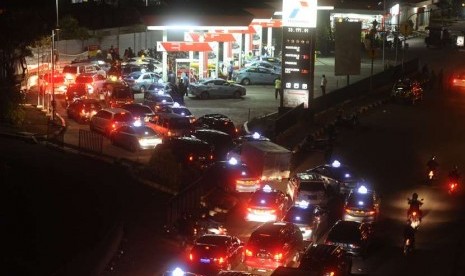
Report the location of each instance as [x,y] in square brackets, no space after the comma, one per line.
[54,31]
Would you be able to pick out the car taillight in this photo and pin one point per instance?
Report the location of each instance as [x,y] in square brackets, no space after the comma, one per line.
[191,157]
[83,111]
[372,212]
[191,257]
[248,253]
[113,126]
[329,273]
[278,256]
[236,130]
[169,133]
[414,213]
[272,211]
[454,80]
[220,260]
[348,210]
[211,156]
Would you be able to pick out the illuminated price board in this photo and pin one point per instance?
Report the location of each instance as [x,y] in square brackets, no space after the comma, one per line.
[297,58]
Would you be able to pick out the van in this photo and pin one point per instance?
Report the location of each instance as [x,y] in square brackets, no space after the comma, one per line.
[71,71]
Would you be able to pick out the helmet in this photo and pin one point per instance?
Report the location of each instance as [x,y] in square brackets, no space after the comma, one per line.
[414,196]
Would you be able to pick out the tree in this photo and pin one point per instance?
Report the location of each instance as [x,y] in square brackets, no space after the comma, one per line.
[70,29]
[14,48]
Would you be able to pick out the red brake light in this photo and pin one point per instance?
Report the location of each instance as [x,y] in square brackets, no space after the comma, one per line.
[211,157]
[220,260]
[191,158]
[191,257]
[347,210]
[454,80]
[248,253]
[113,126]
[83,111]
[414,213]
[278,256]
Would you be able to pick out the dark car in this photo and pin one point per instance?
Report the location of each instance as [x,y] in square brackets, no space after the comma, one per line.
[76,91]
[135,138]
[340,177]
[188,151]
[221,142]
[326,260]
[266,204]
[117,93]
[82,110]
[178,109]
[310,220]
[157,101]
[407,90]
[232,177]
[361,205]
[215,88]
[273,244]
[352,236]
[140,112]
[217,121]
[215,252]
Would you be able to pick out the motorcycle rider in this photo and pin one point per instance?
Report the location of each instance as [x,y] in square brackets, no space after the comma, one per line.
[432,164]
[454,175]
[414,205]
[409,233]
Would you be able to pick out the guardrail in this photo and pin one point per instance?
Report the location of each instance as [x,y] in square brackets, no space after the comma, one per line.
[90,141]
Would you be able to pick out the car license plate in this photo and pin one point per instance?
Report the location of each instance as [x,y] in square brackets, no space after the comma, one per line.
[205,261]
[262,255]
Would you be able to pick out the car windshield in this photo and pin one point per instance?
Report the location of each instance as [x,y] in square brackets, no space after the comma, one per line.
[262,198]
[123,117]
[138,109]
[121,92]
[211,239]
[70,69]
[263,240]
[182,111]
[144,131]
[360,200]
[163,99]
[312,186]
[83,79]
[157,86]
[134,76]
[299,215]
[181,123]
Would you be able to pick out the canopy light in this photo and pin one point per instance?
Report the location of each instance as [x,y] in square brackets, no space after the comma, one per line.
[176,104]
[267,188]
[256,135]
[233,161]
[336,164]
[362,190]
[137,123]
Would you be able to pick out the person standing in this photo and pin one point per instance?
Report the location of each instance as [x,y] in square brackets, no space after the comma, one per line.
[230,70]
[171,77]
[277,88]
[323,84]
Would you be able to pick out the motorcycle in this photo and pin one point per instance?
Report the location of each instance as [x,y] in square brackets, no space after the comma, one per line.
[408,247]
[414,215]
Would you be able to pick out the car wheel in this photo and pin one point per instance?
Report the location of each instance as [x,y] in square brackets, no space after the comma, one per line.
[237,94]
[245,82]
[142,89]
[204,95]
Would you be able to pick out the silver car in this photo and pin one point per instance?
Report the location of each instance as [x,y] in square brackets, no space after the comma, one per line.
[140,81]
[108,119]
[256,75]
[264,64]
[218,88]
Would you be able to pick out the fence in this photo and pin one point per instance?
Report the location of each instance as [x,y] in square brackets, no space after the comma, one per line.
[90,141]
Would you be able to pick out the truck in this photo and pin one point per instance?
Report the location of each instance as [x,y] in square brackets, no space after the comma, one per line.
[267,161]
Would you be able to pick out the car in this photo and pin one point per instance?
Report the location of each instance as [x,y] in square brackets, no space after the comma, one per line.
[338,176]
[156,101]
[188,151]
[273,60]
[108,119]
[180,272]
[232,176]
[309,189]
[354,237]
[221,141]
[458,81]
[94,81]
[262,63]
[116,94]
[407,90]
[361,205]
[141,80]
[171,125]
[251,137]
[71,71]
[140,112]
[273,244]
[176,108]
[256,75]
[326,260]
[292,271]
[308,219]
[135,137]
[213,252]
[266,204]
[161,87]
[219,122]
[83,109]
[235,273]
[60,83]
[219,88]
[130,68]
[76,91]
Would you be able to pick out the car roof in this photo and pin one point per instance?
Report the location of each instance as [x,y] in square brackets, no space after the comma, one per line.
[170,115]
[210,131]
[272,228]
[116,110]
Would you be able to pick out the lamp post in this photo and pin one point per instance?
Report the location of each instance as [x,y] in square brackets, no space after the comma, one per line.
[53,104]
